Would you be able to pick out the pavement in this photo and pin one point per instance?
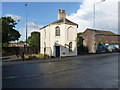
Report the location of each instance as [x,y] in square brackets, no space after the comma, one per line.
[10,59]
[88,71]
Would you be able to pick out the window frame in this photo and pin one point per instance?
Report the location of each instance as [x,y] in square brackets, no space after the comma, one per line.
[45,33]
[70,47]
[57,31]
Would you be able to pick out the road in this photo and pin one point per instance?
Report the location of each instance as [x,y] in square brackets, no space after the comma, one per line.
[92,71]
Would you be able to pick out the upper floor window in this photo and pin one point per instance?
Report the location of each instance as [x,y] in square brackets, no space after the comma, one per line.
[57,31]
[45,32]
[70,33]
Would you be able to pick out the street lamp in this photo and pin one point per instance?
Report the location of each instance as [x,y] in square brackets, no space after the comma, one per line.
[18,39]
[94,25]
[26,25]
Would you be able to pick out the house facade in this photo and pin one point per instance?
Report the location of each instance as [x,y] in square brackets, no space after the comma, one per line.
[92,38]
[59,38]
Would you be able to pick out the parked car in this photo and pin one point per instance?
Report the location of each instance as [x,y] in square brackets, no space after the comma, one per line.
[115,50]
[101,49]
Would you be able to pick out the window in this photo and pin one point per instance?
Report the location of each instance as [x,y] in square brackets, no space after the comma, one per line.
[57,31]
[45,32]
[44,44]
[70,46]
[70,33]
[44,47]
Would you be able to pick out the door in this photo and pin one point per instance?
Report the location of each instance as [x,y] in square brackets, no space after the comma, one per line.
[57,51]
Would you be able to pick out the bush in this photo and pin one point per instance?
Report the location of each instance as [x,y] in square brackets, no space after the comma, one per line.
[46,56]
[32,57]
[36,56]
[5,44]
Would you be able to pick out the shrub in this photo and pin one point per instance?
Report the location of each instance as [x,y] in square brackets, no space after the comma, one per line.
[36,56]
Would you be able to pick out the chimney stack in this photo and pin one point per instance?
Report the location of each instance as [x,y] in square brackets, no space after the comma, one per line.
[61,14]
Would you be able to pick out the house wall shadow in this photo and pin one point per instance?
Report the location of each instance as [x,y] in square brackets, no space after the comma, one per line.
[64,51]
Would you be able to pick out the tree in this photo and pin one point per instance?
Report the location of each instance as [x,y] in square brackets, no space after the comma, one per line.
[79,39]
[8,30]
[34,39]
[79,42]
[80,47]
[21,41]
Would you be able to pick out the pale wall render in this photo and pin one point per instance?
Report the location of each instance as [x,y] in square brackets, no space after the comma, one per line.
[59,38]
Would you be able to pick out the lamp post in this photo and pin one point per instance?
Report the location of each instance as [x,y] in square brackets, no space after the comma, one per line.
[94,25]
[26,25]
[18,39]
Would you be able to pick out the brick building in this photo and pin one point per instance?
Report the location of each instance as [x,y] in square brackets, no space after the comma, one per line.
[92,38]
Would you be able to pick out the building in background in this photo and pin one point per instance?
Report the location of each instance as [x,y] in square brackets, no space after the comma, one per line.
[14,44]
[58,39]
[93,39]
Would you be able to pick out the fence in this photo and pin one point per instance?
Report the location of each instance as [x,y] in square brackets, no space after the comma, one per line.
[11,50]
[20,50]
[32,50]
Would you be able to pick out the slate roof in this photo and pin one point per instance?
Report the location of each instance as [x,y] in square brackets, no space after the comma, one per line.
[103,36]
[63,20]
[101,32]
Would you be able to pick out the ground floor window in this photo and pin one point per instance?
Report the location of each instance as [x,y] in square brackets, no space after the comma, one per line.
[70,46]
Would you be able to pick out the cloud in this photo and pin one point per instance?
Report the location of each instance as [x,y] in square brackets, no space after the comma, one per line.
[15,17]
[106,15]
[31,26]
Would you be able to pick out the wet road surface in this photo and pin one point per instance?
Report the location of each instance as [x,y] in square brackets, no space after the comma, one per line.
[74,72]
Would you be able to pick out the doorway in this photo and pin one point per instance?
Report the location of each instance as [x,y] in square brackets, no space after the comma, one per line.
[57,51]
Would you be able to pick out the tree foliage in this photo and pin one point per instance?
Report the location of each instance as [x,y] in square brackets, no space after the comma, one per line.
[8,30]
[21,41]
[79,43]
[80,47]
[34,39]
[79,39]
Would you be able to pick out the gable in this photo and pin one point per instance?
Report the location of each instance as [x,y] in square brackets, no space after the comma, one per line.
[63,20]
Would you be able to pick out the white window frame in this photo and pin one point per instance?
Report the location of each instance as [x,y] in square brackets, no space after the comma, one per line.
[57,31]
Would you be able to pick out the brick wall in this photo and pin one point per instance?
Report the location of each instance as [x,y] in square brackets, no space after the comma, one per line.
[88,41]
[110,39]
[88,37]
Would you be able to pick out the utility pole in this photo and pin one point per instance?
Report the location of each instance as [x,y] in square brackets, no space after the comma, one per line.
[94,24]
[26,25]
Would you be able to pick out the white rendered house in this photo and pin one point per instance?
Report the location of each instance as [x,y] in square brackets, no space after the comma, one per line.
[59,38]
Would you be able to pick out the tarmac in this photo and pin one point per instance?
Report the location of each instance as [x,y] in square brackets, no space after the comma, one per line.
[81,71]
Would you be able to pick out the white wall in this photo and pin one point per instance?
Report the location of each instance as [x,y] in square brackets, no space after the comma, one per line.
[63,39]
[71,36]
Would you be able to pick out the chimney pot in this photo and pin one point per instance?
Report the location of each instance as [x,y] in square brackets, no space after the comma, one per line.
[61,14]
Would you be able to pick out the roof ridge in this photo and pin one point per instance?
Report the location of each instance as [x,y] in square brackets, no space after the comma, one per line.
[99,30]
[64,20]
